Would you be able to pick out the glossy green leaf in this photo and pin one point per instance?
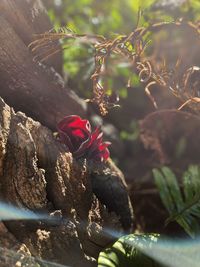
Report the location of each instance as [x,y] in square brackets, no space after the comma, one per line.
[128,252]
[184,209]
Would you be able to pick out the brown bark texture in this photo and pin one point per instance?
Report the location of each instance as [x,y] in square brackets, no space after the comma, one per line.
[38,174]
[67,222]
[26,85]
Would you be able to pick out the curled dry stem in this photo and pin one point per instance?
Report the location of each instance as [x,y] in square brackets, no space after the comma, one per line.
[130,47]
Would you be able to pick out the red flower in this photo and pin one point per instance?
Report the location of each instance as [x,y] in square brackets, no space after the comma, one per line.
[77,135]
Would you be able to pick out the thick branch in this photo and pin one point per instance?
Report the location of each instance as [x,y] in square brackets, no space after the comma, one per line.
[38,174]
[28,17]
[28,87]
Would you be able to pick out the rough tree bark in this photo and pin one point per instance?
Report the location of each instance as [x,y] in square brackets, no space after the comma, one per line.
[29,17]
[36,172]
[26,85]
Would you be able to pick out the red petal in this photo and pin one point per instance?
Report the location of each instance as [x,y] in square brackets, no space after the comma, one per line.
[80,124]
[105,154]
[96,138]
[77,130]
[100,153]
[74,122]
[76,134]
[63,124]
[103,146]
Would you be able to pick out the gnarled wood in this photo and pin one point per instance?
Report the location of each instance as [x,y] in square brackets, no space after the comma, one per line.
[38,174]
[28,87]
[29,17]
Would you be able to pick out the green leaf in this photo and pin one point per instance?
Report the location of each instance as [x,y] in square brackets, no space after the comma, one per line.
[173,187]
[185,211]
[127,251]
[163,190]
[187,186]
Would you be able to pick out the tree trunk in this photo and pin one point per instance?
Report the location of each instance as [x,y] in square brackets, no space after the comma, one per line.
[38,174]
[67,222]
[29,17]
[27,86]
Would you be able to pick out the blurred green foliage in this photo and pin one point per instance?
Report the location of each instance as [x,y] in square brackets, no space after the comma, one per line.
[109,18]
[106,18]
[133,134]
[182,202]
[112,18]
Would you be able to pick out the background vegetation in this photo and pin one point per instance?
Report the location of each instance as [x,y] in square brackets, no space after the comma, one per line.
[172,192]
